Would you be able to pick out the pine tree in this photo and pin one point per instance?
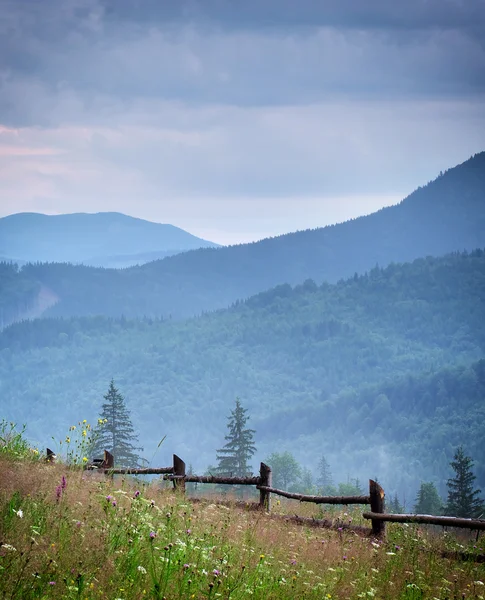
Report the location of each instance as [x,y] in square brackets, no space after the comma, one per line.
[463,500]
[233,458]
[395,507]
[428,501]
[115,432]
[324,479]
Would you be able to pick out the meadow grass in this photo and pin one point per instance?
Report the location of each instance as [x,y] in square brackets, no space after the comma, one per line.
[69,533]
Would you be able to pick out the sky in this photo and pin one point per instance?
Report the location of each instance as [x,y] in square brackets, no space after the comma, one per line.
[235,120]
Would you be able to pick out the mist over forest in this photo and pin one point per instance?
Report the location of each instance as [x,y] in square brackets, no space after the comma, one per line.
[362,342]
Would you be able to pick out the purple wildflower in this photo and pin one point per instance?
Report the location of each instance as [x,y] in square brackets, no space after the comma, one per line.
[52,583]
[186,566]
[63,483]
[114,503]
[152,535]
[345,558]
[216,572]
[293,561]
[58,493]
[109,497]
[189,531]
[136,494]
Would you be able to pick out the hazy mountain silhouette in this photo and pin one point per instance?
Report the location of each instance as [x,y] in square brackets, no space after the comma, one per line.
[446,215]
[91,238]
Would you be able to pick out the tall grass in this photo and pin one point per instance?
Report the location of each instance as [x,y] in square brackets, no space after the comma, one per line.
[72,534]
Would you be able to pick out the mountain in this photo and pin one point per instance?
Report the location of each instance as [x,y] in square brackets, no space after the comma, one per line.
[340,368]
[79,237]
[446,215]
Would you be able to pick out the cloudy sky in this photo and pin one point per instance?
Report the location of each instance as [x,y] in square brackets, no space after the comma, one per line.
[235,119]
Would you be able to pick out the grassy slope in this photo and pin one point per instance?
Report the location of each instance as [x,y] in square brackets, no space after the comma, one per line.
[69,535]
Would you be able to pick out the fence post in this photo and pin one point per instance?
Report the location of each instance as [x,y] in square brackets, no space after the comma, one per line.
[266,479]
[50,456]
[377,505]
[179,472]
[108,463]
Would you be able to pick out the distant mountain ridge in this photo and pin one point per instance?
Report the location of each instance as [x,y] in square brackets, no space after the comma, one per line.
[336,368]
[99,238]
[446,215]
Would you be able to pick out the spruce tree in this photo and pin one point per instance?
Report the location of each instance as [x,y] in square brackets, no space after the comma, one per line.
[324,479]
[463,500]
[428,501]
[233,458]
[115,431]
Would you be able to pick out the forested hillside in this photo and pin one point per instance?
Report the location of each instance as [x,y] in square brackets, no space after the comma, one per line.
[318,366]
[446,215]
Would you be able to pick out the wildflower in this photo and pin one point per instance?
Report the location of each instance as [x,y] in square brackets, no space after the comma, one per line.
[136,494]
[100,421]
[344,557]
[85,433]
[261,556]
[109,497]
[63,482]
[293,561]
[152,535]
[84,421]
[19,513]
[188,532]
[186,566]
[68,439]
[58,493]
[52,583]
[215,572]
[79,523]
[85,459]
[142,569]
[114,503]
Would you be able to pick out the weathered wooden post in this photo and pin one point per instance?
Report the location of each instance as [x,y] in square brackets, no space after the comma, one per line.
[179,474]
[51,456]
[108,464]
[265,479]
[377,505]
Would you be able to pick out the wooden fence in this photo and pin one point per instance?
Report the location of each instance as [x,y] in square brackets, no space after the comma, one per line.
[376,497]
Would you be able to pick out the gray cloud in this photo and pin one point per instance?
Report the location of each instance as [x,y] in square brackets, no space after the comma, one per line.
[314,52]
[285,114]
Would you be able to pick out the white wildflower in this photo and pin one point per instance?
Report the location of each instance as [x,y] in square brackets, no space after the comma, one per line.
[142,569]
[19,513]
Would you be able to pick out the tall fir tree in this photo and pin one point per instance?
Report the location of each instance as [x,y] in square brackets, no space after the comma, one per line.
[463,500]
[428,501]
[115,432]
[233,459]
[324,479]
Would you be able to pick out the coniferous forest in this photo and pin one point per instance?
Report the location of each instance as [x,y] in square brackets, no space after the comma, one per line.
[379,369]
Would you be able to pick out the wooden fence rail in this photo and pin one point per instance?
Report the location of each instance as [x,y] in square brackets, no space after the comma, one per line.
[376,498]
[477,524]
